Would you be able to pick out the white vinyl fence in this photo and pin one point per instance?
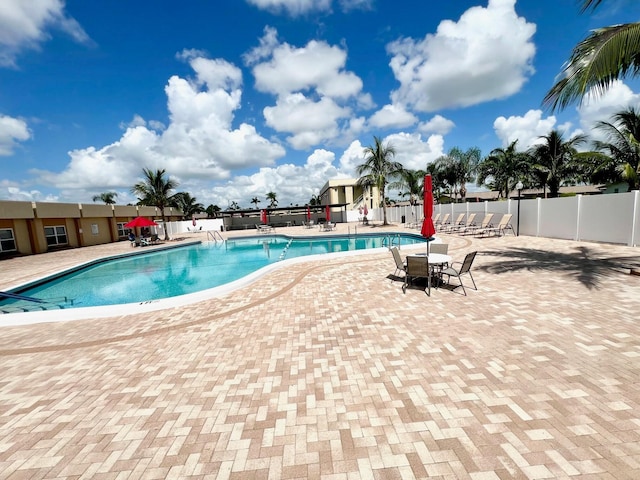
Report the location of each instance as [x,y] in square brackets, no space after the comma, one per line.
[611,218]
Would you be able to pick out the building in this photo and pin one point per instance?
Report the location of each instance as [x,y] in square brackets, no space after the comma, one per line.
[347,191]
[28,228]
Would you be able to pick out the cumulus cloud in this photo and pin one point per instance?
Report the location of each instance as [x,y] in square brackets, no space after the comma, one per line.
[601,107]
[437,124]
[199,143]
[12,130]
[526,129]
[392,116]
[315,95]
[302,7]
[485,55]
[25,24]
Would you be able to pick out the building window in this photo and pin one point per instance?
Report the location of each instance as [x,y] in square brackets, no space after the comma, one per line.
[56,235]
[122,232]
[7,240]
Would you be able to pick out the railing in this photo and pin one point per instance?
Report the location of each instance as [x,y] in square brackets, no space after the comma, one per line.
[283,255]
[214,235]
[391,240]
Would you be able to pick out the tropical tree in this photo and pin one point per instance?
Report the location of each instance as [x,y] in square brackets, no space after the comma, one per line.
[187,204]
[502,169]
[378,169]
[457,168]
[255,201]
[604,56]
[234,206]
[155,190]
[622,146]
[212,211]
[108,198]
[314,200]
[410,184]
[556,159]
[273,200]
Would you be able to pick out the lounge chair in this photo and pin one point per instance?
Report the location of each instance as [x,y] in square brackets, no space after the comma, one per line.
[454,225]
[417,267]
[400,265]
[464,269]
[445,220]
[470,222]
[486,223]
[500,229]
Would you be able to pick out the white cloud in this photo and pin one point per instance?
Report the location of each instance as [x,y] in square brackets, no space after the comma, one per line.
[392,116]
[24,24]
[302,7]
[413,152]
[601,108]
[526,130]
[199,144]
[438,124]
[284,179]
[484,56]
[12,130]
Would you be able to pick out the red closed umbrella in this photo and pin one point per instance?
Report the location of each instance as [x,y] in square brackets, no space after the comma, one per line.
[308,212]
[263,216]
[327,213]
[193,220]
[140,222]
[428,230]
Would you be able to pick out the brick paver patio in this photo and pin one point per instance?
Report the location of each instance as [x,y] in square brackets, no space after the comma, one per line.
[326,369]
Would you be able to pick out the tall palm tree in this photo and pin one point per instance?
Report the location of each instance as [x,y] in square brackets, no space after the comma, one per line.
[622,146]
[457,168]
[503,167]
[155,191]
[273,200]
[108,198]
[604,56]
[187,204]
[378,169]
[556,159]
[315,200]
[255,201]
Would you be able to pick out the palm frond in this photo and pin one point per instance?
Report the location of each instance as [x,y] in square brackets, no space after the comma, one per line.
[606,55]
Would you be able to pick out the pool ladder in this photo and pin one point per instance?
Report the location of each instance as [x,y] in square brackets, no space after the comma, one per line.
[391,240]
[214,235]
[284,252]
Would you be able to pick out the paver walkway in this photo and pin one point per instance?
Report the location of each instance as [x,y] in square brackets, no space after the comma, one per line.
[327,370]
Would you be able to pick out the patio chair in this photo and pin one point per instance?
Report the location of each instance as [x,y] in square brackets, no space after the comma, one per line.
[439,248]
[472,229]
[417,267]
[400,265]
[500,229]
[454,225]
[464,269]
[444,221]
[471,222]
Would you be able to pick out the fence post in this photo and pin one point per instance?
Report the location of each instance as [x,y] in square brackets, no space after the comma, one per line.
[634,221]
[578,211]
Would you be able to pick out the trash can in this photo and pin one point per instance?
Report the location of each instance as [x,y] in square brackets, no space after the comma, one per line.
[403,219]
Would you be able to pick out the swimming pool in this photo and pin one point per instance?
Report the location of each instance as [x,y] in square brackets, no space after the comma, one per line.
[177,271]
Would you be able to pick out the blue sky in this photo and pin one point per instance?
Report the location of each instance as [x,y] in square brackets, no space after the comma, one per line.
[237,98]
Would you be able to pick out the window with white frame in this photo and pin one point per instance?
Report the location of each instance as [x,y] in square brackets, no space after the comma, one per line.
[122,232]
[56,235]
[7,240]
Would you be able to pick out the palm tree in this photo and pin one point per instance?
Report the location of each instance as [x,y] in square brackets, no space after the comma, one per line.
[212,211]
[504,166]
[187,204]
[155,191]
[315,200]
[255,201]
[622,147]
[273,201]
[410,184]
[556,159]
[604,56]
[108,198]
[378,169]
[466,165]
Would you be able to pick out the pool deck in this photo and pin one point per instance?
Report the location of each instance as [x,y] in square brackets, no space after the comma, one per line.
[325,369]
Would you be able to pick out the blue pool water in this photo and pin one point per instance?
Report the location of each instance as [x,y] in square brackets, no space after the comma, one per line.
[179,271]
